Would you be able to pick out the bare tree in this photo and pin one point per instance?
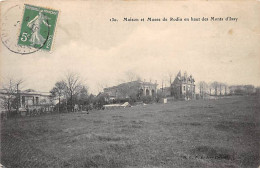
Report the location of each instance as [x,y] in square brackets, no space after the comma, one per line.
[132,76]
[162,86]
[100,86]
[83,95]
[73,84]
[223,86]
[215,86]
[164,79]
[18,83]
[11,94]
[210,88]
[59,90]
[203,87]
[220,88]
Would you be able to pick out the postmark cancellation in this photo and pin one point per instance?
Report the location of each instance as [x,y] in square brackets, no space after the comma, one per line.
[38,26]
[31,33]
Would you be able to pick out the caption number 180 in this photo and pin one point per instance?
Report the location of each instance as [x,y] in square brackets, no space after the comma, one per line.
[24,37]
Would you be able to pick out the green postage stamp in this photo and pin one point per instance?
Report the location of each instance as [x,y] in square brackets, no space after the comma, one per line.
[38,27]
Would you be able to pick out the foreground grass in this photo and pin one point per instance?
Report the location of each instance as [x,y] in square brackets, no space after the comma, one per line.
[213,133]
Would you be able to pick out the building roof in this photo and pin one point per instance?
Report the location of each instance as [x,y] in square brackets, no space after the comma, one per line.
[28,92]
[33,92]
[183,78]
[132,83]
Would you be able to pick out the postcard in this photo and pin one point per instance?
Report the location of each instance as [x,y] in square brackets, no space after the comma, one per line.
[130,84]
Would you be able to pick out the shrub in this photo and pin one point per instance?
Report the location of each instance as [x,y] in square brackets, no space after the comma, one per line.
[147,99]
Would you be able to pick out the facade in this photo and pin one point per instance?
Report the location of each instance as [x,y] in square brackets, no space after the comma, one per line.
[183,87]
[30,101]
[130,89]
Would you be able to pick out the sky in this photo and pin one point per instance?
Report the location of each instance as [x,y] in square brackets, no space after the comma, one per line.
[103,52]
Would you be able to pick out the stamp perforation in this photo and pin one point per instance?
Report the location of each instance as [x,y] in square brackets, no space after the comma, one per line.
[38,19]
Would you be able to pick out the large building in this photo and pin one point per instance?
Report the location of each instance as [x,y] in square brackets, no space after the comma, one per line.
[30,101]
[133,88]
[183,87]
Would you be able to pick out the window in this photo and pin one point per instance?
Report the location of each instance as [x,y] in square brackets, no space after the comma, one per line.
[37,100]
[23,100]
[183,88]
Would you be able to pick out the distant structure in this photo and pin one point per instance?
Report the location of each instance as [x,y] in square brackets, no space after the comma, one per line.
[183,87]
[30,101]
[131,89]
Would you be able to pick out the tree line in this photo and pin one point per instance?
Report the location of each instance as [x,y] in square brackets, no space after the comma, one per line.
[222,89]
[72,94]
[69,92]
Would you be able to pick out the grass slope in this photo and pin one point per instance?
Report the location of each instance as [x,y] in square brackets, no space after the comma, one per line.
[213,133]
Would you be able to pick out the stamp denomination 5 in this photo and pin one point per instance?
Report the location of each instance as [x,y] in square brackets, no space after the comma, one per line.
[31,33]
[38,26]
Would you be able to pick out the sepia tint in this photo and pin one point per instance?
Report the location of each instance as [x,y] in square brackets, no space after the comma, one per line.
[130,84]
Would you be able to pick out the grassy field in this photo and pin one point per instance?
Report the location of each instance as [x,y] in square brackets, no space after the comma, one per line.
[212,133]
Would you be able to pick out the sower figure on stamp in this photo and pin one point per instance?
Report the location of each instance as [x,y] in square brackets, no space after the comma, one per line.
[35,26]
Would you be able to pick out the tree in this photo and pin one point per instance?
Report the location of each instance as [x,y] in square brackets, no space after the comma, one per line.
[91,98]
[162,85]
[221,86]
[83,96]
[215,85]
[71,88]
[73,85]
[18,83]
[132,76]
[100,86]
[225,86]
[160,94]
[59,90]
[100,100]
[203,87]
[10,98]
[249,89]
